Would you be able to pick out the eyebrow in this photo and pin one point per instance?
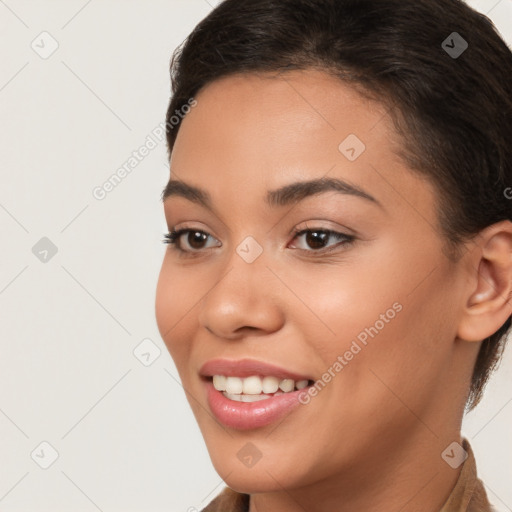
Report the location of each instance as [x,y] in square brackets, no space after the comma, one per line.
[283,196]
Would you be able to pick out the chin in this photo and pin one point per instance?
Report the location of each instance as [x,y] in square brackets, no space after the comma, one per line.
[252,481]
[268,474]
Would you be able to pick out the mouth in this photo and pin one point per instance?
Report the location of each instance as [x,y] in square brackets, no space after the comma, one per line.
[248,394]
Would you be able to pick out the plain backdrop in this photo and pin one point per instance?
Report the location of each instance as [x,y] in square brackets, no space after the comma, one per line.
[87,387]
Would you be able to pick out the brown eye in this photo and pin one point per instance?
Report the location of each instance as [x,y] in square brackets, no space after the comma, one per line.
[195,239]
[317,239]
[187,240]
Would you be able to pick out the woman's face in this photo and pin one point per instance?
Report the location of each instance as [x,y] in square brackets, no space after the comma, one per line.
[371,311]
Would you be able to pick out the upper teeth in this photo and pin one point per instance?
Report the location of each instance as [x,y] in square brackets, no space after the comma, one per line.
[255,385]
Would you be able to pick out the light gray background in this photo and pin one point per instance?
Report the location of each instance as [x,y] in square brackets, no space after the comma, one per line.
[125,436]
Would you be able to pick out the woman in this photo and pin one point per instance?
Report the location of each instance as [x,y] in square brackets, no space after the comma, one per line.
[337,288]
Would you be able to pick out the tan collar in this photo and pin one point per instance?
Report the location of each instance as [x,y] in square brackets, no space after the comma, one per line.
[468,495]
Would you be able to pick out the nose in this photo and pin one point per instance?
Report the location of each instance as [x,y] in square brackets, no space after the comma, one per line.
[243,300]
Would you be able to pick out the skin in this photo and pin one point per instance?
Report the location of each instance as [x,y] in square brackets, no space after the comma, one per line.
[372,439]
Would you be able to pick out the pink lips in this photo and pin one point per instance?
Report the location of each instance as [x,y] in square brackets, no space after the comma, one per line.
[249,415]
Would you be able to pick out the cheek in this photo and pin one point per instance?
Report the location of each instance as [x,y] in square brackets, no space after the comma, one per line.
[396,350]
[347,301]
[386,312]
[174,303]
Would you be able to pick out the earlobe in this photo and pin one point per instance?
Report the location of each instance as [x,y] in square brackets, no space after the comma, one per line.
[489,303]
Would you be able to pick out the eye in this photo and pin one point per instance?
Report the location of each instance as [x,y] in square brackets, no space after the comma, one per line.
[317,239]
[194,240]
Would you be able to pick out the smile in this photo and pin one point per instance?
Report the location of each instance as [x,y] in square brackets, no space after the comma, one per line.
[247,394]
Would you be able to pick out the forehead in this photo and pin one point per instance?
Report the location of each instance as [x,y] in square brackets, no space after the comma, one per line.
[251,133]
[282,114]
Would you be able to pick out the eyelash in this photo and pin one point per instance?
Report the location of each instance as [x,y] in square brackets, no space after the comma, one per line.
[173,237]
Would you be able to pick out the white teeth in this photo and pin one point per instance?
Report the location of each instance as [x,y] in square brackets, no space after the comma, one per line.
[301,384]
[286,385]
[270,384]
[255,386]
[219,382]
[246,398]
[252,385]
[234,385]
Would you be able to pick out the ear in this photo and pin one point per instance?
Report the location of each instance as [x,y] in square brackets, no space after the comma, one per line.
[489,302]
